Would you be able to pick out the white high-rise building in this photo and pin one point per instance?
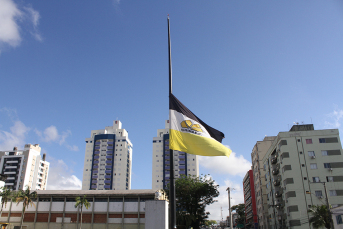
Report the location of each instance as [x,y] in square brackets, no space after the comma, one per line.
[184,163]
[24,168]
[108,159]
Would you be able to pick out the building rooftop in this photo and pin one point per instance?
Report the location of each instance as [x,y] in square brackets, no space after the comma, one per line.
[134,192]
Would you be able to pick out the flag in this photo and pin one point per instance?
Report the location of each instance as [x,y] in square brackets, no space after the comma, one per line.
[190,134]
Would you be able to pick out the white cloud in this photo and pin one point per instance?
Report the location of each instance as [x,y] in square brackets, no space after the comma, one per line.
[234,165]
[51,134]
[11,15]
[9,29]
[14,138]
[61,177]
[335,119]
[73,148]
[222,203]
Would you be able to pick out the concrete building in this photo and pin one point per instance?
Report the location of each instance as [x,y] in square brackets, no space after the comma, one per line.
[185,164]
[126,209]
[296,165]
[337,217]
[250,201]
[24,168]
[258,152]
[108,159]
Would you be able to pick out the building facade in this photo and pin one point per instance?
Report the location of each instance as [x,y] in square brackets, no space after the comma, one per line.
[24,168]
[55,209]
[250,201]
[108,159]
[296,166]
[184,164]
[258,152]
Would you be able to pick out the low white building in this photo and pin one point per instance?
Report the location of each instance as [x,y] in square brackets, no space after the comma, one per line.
[129,209]
[337,217]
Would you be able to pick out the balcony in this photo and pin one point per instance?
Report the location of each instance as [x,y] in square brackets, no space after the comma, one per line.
[11,167]
[108,157]
[10,172]
[182,167]
[95,171]
[276,183]
[167,162]
[182,157]
[94,186]
[109,162]
[182,172]
[108,171]
[109,152]
[96,157]
[107,186]
[110,142]
[95,167]
[95,162]
[107,181]
[278,194]
[9,184]
[167,167]
[274,160]
[167,157]
[109,147]
[97,147]
[9,162]
[94,181]
[108,176]
[108,167]
[275,171]
[96,152]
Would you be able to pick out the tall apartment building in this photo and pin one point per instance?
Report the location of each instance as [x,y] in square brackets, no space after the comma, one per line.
[296,165]
[108,159]
[185,164]
[258,152]
[250,200]
[24,168]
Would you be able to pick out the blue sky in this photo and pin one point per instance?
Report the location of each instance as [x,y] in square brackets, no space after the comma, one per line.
[248,68]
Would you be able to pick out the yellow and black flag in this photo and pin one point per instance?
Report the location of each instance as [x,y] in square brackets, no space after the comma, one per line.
[190,134]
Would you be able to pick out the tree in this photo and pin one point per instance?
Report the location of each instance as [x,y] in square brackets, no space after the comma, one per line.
[193,194]
[210,222]
[27,197]
[240,210]
[80,202]
[320,216]
[5,195]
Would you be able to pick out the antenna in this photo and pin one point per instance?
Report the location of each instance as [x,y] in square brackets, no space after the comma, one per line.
[296,123]
[221,212]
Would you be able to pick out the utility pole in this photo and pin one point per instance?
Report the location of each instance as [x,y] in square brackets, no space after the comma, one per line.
[228,190]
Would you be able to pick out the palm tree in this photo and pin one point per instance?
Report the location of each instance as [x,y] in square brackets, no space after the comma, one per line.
[320,216]
[27,197]
[80,202]
[5,195]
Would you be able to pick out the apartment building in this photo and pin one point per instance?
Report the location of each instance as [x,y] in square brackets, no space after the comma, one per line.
[258,152]
[184,163]
[108,159]
[251,220]
[296,166]
[24,168]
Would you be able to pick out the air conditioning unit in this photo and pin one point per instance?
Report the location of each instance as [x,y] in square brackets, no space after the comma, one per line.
[320,197]
[330,169]
[313,157]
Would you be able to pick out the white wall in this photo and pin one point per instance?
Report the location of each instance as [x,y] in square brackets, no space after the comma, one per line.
[156,214]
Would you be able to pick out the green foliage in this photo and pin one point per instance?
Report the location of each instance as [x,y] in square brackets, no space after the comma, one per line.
[193,194]
[320,216]
[5,195]
[240,210]
[210,222]
[80,202]
[25,196]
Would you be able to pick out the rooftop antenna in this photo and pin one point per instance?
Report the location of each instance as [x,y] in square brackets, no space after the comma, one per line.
[296,123]
[221,212]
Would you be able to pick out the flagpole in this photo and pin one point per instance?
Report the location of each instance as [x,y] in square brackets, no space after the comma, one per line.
[172,199]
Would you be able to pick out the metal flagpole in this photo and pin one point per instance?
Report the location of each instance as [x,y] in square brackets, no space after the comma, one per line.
[172,199]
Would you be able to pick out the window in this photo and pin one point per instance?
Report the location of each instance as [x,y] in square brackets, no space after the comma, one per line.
[311,153]
[303,165]
[321,140]
[339,219]
[314,166]
[329,179]
[332,193]
[309,141]
[318,193]
[315,179]
[324,152]
[327,165]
